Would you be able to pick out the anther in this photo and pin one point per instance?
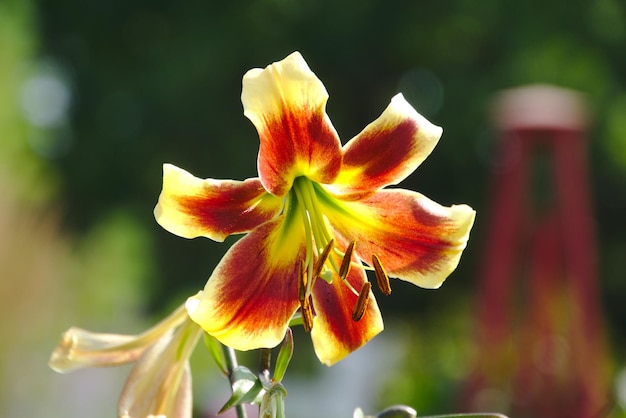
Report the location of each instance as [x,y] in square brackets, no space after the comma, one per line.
[307,314]
[321,260]
[302,282]
[347,261]
[361,302]
[382,279]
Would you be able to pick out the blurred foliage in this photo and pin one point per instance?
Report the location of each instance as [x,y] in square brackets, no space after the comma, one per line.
[18,42]
[138,83]
[441,347]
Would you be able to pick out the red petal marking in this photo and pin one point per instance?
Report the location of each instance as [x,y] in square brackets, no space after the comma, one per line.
[335,334]
[387,150]
[228,207]
[300,142]
[286,102]
[191,207]
[253,292]
[416,239]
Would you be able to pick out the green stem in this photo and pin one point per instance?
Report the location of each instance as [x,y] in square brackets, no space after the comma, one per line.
[280,408]
[231,363]
[265,359]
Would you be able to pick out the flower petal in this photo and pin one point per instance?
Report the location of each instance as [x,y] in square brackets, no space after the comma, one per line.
[387,150]
[80,348]
[192,207]
[286,102]
[334,333]
[252,294]
[416,239]
[160,382]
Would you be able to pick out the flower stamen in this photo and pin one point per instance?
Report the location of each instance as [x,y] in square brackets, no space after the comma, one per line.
[307,314]
[382,279]
[346,263]
[302,282]
[319,264]
[361,302]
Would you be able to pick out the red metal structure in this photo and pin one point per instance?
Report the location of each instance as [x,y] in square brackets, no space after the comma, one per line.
[540,337]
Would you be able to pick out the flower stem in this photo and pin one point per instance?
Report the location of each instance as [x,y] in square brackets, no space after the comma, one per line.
[265,360]
[231,363]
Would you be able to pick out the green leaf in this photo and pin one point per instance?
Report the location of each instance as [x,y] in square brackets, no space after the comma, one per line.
[215,349]
[247,388]
[284,356]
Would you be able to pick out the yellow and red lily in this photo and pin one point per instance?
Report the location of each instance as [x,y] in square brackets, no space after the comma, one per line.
[316,209]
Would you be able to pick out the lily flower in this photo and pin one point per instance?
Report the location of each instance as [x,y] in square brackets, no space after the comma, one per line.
[316,218]
[159,385]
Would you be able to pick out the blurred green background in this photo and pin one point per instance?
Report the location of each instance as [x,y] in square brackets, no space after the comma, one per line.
[96,95]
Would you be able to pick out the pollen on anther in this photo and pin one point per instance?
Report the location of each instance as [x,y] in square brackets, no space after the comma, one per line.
[307,314]
[347,261]
[382,279]
[321,260]
[361,302]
